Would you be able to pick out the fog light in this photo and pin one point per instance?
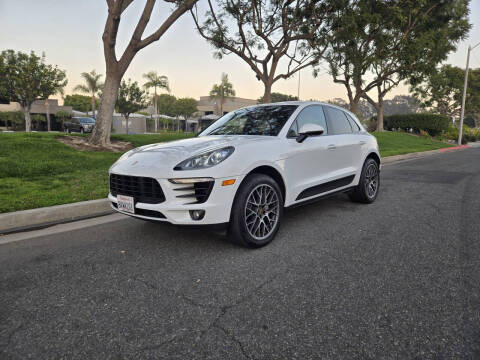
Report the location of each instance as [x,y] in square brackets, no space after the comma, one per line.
[197,214]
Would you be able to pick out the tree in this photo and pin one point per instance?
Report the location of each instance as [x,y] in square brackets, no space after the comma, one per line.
[443,88]
[185,107]
[279,97]
[165,104]
[92,86]
[222,91]
[393,41]
[262,33]
[115,68]
[130,99]
[79,102]
[25,78]
[155,81]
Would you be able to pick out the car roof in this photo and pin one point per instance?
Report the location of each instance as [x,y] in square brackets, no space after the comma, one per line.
[303,104]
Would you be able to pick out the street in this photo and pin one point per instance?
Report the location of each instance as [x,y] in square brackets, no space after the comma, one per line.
[397,279]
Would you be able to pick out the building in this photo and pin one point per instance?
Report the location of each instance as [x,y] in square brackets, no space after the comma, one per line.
[40,107]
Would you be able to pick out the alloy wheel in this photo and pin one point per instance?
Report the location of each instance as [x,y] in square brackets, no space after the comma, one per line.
[371,180]
[261,211]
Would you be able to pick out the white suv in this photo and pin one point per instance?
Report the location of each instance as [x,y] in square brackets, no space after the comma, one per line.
[248,166]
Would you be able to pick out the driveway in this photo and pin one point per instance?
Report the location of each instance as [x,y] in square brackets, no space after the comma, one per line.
[396,279]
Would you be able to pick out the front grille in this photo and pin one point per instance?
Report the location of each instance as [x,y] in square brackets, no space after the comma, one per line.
[198,192]
[142,189]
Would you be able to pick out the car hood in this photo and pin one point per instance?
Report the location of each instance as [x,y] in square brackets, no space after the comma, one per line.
[162,158]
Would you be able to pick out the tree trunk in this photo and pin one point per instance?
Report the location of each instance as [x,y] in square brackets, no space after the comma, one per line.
[28,120]
[379,108]
[354,106]
[178,124]
[101,131]
[126,120]
[93,106]
[155,108]
[47,113]
[267,95]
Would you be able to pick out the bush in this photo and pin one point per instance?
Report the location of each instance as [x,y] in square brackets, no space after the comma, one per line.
[469,134]
[12,119]
[433,124]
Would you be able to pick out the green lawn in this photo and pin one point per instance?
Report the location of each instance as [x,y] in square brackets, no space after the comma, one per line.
[396,143]
[36,170]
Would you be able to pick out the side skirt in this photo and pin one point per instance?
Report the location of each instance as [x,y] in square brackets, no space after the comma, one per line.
[321,197]
[325,187]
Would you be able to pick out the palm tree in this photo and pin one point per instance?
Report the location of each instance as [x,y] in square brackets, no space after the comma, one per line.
[92,87]
[155,81]
[222,91]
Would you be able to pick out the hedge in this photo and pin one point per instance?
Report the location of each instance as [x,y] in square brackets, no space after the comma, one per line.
[434,124]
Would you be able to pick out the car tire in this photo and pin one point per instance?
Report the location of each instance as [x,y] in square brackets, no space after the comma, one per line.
[367,189]
[81,131]
[259,199]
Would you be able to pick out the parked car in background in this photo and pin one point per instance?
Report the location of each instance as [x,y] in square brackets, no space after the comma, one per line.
[249,165]
[80,124]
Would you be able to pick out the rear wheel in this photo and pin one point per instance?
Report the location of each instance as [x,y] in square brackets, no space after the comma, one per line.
[256,212]
[367,189]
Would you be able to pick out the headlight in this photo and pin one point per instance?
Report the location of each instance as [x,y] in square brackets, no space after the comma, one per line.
[205,160]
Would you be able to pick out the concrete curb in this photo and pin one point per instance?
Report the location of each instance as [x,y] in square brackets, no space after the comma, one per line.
[419,155]
[42,217]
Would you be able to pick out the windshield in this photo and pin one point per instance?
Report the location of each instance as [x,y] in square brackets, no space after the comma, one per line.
[259,120]
[87,121]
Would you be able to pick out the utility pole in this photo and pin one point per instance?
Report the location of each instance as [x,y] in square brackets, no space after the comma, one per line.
[462,113]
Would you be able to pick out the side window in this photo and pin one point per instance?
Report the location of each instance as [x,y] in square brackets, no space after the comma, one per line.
[74,121]
[310,115]
[353,123]
[337,121]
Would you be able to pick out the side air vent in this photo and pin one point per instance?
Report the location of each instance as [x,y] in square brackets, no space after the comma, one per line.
[194,192]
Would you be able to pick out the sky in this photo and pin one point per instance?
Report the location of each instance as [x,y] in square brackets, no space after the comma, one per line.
[69,33]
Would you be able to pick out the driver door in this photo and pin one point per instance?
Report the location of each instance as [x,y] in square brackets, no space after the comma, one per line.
[308,163]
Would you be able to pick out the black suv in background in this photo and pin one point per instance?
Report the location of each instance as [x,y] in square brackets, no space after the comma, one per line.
[80,124]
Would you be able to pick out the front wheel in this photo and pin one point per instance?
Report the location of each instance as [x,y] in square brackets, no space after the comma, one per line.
[256,212]
[367,189]
[81,131]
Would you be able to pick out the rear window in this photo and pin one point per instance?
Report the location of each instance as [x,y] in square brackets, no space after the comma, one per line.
[87,121]
[337,121]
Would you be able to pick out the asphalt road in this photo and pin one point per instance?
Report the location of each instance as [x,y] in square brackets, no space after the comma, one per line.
[398,279]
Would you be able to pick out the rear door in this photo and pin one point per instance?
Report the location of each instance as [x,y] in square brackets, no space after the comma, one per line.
[345,145]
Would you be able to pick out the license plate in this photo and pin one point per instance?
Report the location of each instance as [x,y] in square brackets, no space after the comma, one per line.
[126,203]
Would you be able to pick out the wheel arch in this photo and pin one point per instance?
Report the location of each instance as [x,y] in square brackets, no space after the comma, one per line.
[374,156]
[273,173]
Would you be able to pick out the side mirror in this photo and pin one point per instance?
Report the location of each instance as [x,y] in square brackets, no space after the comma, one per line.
[309,130]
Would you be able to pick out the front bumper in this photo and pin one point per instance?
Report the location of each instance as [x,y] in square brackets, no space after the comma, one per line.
[176,210]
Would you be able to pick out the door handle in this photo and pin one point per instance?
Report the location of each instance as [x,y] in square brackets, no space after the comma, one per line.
[331,147]
[362,142]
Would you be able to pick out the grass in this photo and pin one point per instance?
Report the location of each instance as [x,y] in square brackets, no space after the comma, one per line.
[37,171]
[397,143]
